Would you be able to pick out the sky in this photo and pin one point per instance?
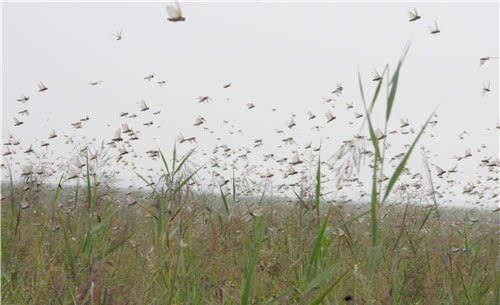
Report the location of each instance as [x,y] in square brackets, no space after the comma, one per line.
[286,56]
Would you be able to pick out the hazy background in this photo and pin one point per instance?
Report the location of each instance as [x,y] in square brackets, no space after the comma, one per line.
[286,56]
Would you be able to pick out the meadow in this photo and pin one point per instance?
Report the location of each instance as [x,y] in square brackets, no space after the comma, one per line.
[206,250]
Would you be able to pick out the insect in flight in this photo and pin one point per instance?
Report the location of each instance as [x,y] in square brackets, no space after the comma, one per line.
[42,87]
[413,15]
[435,29]
[118,35]
[175,12]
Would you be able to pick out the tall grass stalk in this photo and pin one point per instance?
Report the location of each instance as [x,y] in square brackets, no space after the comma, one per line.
[379,156]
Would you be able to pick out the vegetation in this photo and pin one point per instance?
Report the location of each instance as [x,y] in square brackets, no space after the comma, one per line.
[182,247]
[203,256]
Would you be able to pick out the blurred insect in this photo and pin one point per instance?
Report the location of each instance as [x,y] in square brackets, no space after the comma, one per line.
[435,29]
[200,120]
[27,170]
[149,77]
[122,150]
[291,172]
[252,214]
[467,153]
[453,169]
[296,159]
[311,115]
[202,99]
[376,76]
[29,150]
[144,107]
[330,117]
[440,171]
[7,152]
[268,174]
[52,134]
[17,122]
[118,35]
[23,98]
[380,135]
[338,90]
[118,136]
[175,13]
[222,181]
[413,15]
[486,88]
[464,133]
[126,128]
[482,60]
[95,83]
[42,87]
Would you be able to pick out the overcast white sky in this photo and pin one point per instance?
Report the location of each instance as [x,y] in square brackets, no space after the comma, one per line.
[286,56]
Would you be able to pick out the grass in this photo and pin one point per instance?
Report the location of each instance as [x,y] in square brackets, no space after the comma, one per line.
[181,247]
[270,259]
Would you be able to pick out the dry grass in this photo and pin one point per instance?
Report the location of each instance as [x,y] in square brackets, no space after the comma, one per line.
[204,257]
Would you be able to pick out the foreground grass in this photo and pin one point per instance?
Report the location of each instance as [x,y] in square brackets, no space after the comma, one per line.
[116,254]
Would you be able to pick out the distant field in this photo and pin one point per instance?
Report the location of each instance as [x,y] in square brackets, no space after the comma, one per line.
[199,252]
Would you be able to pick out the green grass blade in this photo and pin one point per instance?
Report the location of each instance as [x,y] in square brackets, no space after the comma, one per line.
[320,297]
[317,244]
[374,204]
[300,200]
[252,255]
[319,278]
[392,94]
[172,281]
[161,216]
[69,254]
[89,194]
[402,164]
[102,223]
[224,201]
[394,85]
[377,91]
[234,189]
[373,137]
[182,162]
[164,162]
[174,154]
[148,184]
[318,188]
[181,185]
